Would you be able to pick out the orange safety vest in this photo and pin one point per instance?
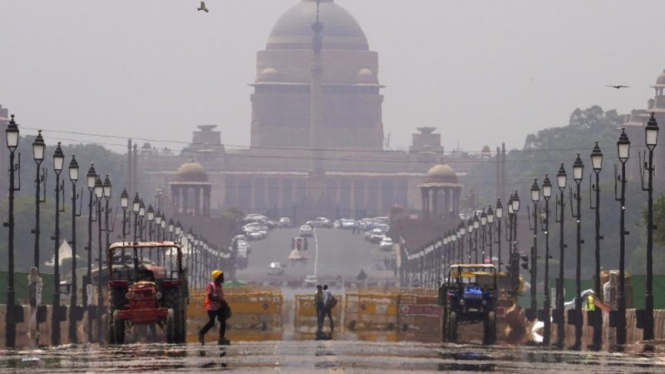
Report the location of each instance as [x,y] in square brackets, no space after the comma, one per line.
[212,305]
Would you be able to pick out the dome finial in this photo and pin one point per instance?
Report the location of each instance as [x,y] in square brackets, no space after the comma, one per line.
[317,40]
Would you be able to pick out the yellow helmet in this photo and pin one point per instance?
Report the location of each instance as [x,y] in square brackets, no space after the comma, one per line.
[216,274]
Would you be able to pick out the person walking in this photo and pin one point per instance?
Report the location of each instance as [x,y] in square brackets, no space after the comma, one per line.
[320,306]
[217,307]
[329,302]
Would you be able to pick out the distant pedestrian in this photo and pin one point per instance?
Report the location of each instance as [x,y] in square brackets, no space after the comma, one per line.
[319,305]
[217,307]
[329,302]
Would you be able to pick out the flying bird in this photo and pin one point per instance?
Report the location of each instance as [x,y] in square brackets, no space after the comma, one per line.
[618,86]
[203,7]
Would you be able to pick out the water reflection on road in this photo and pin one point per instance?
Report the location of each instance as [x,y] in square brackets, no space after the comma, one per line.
[326,356]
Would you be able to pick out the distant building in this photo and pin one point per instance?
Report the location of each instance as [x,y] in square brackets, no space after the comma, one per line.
[275,174]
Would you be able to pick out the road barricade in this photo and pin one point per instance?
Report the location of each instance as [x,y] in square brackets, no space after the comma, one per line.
[256,314]
[371,309]
[305,319]
[419,310]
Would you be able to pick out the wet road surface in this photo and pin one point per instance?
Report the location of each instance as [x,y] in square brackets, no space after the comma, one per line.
[323,357]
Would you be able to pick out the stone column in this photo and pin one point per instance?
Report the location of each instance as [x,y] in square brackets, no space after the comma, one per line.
[446,202]
[353,198]
[185,203]
[206,201]
[197,201]
[423,195]
[435,202]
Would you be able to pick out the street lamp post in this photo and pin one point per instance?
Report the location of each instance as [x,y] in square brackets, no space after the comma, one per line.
[469,228]
[73,177]
[476,228]
[12,137]
[535,198]
[91,177]
[460,235]
[547,194]
[136,205]
[107,188]
[651,136]
[560,207]
[498,212]
[150,216]
[509,232]
[124,204]
[483,224]
[597,164]
[623,147]
[578,172]
[490,223]
[158,224]
[515,205]
[58,163]
[38,147]
[99,195]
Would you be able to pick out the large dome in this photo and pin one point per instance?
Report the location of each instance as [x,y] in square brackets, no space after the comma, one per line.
[191,172]
[340,29]
[441,174]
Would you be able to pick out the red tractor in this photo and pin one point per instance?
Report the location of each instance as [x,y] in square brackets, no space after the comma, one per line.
[147,286]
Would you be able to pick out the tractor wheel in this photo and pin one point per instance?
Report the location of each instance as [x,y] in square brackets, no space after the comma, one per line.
[452,327]
[109,327]
[118,329]
[489,333]
[174,300]
[170,327]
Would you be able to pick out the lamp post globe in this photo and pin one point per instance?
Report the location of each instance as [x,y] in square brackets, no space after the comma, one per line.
[136,203]
[483,218]
[516,202]
[73,170]
[498,211]
[490,215]
[124,199]
[38,147]
[535,192]
[107,187]
[597,159]
[476,222]
[99,188]
[150,213]
[578,169]
[58,159]
[561,177]
[547,188]
[651,133]
[12,135]
[91,177]
[141,209]
[623,146]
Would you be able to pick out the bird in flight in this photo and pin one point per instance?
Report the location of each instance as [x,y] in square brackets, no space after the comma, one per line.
[203,7]
[618,86]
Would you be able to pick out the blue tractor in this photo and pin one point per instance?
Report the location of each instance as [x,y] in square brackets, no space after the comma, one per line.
[469,295]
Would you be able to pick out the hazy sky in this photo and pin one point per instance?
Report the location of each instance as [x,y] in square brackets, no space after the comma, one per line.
[480,71]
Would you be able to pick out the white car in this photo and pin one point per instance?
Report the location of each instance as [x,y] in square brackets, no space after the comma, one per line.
[386,244]
[284,222]
[306,230]
[275,268]
[311,280]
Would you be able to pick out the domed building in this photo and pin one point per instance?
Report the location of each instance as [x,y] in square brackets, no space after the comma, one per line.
[351,117]
[329,83]
[190,190]
[441,182]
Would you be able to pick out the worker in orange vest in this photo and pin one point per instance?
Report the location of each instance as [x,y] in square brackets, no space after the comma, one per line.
[217,307]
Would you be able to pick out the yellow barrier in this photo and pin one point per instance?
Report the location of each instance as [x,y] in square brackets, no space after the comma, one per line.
[256,314]
[372,310]
[419,310]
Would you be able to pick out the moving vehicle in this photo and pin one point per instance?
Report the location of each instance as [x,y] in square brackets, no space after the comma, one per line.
[276,269]
[321,222]
[284,222]
[386,244]
[306,230]
[141,293]
[469,295]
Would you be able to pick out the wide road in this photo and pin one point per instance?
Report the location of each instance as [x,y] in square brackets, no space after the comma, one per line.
[323,357]
[330,253]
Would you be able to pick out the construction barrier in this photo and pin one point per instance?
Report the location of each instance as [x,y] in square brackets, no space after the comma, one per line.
[371,309]
[256,314]
[305,320]
[419,310]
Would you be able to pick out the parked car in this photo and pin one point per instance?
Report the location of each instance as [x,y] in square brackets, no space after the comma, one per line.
[311,280]
[276,269]
[284,222]
[377,236]
[322,222]
[386,244]
[306,230]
